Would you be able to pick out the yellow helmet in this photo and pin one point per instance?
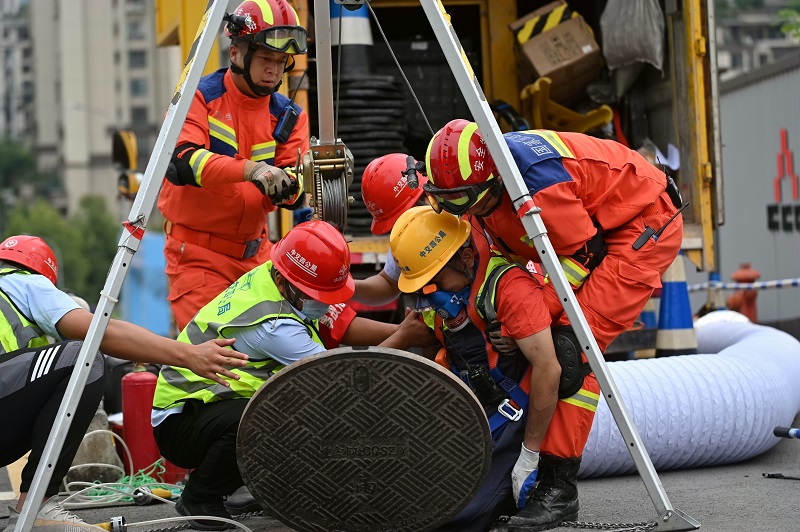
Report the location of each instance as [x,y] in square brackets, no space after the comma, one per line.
[422,241]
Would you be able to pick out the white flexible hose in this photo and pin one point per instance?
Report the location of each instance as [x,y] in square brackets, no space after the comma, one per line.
[702,410]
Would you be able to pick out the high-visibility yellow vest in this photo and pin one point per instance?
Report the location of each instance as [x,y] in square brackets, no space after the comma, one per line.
[253,299]
[16,330]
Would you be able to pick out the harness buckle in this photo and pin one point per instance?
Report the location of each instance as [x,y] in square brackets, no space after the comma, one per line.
[508,410]
[251,248]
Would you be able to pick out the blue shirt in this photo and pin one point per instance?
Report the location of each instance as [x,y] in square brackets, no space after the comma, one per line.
[285,340]
[39,300]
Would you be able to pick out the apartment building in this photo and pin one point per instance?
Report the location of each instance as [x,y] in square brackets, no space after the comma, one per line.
[96,69]
[750,38]
[16,72]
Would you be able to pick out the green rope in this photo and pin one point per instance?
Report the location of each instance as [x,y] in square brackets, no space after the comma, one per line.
[151,476]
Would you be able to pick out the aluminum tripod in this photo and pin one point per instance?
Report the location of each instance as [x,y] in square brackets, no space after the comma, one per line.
[132,234]
[669,518]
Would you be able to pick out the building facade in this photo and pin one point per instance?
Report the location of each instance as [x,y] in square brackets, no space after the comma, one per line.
[98,70]
[748,39]
[760,123]
[16,72]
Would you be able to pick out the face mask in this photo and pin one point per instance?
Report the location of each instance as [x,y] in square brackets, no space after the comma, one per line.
[313,309]
[449,304]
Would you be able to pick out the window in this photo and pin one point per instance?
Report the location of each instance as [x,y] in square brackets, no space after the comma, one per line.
[138,87]
[138,116]
[137,59]
[135,30]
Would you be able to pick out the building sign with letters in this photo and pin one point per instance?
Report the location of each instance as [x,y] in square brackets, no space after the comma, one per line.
[784,214]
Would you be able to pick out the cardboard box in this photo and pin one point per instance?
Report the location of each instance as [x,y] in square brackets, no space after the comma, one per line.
[567,54]
[543,19]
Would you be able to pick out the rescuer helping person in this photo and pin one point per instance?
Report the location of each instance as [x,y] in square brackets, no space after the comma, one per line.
[539,415]
[608,213]
[282,311]
[34,372]
[387,194]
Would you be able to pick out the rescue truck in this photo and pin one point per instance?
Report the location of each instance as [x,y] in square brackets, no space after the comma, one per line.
[672,108]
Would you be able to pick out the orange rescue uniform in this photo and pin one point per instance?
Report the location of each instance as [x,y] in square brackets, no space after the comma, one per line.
[216,231]
[580,181]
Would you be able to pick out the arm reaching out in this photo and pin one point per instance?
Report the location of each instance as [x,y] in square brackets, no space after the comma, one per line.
[413,332]
[131,342]
[376,290]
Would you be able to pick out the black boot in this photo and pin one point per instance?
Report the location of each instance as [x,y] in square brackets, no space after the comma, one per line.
[189,506]
[555,497]
[241,502]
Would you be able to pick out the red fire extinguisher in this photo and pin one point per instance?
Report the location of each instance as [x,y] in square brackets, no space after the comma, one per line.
[138,389]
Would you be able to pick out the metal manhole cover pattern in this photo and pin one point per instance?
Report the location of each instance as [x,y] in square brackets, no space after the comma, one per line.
[364,440]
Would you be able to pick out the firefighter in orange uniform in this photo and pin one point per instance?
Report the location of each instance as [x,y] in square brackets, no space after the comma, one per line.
[216,219]
[608,213]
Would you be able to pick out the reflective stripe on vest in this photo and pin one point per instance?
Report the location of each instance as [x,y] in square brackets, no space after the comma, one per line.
[252,299]
[486,303]
[16,330]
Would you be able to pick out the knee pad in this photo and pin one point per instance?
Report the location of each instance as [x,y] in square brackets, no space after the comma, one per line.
[568,352]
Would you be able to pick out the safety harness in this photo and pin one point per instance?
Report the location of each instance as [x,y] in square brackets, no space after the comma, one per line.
[510,396]
[514,397]
[510,409]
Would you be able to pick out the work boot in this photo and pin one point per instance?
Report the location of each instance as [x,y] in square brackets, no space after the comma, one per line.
[242,502]
[213,507]
[554,498]
[52,517]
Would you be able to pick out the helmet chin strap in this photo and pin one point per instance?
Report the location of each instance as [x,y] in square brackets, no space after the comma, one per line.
[259,91]
[495,192]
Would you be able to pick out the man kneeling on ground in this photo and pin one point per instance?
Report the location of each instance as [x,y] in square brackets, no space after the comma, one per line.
[280,312]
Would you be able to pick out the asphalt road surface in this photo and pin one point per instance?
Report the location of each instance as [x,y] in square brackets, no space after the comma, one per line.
[732,498]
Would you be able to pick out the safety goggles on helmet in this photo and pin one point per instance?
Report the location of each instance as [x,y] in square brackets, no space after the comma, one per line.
[456,200]
[281,39]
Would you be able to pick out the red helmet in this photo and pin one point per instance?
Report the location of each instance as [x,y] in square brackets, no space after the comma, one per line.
[31,252]
[458,156]
[273,24]
[314,257]
[385,190]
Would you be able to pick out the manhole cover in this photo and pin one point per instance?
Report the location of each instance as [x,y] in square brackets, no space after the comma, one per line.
[368,439]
